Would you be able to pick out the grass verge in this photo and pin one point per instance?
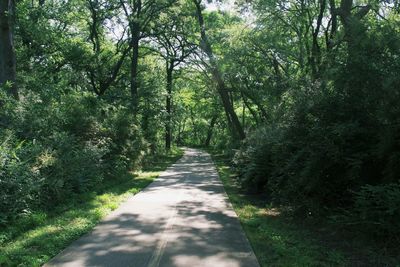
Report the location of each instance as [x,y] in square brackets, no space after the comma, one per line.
[35,239]
[281,240]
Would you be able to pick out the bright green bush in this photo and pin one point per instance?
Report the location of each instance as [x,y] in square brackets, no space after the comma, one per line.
[19,182]
[60,146]
[128,146]
[69,167]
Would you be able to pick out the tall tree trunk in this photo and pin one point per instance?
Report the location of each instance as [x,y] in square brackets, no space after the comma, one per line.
[351,22]
[252,112]
[332,8]
[7,52]
[243,115]
[315,57]
[210,130]
[205,45]
[181,129]
[168,134]
[134,67]
[194,131]
[263,113]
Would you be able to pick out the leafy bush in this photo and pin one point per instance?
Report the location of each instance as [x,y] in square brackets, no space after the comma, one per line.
[332,136]
[69,167]
[61,146]
[19,182]
[378,207]
[376,210]
[128,146]
[315,156]
[255,162]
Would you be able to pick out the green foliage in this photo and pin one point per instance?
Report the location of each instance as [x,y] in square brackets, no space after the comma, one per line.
[254,161]
[128,146]
[61,147]
[37,237]
[333,135]
[314,86]
[19,183]
[279,239]
[84,170]
[376,209]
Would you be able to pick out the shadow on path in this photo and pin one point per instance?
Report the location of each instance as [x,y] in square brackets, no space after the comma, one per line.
[182,219]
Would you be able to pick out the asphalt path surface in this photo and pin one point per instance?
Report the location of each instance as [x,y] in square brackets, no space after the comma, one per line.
[183,218]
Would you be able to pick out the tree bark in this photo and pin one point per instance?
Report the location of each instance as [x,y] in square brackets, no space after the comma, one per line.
[205,45]
[353,29]
[104,82]
[134,67]
[315,59]
[7,51]
[252,112]
[194,130]
[263,113]
[332,8]
[168,134]
[210,130]
[181,129]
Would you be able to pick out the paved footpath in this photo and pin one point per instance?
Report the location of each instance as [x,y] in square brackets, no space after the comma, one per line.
[183,218]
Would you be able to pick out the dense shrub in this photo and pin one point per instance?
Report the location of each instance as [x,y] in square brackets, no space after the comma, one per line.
[315,158]
[128,146]
[332,136]
[376,209]
[69,166]
[19,182]
[63,146]
[255,161]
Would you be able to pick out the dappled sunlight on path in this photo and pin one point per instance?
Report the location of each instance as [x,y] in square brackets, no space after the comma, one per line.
[182,219]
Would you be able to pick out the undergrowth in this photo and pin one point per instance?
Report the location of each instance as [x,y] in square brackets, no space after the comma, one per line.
[36,238]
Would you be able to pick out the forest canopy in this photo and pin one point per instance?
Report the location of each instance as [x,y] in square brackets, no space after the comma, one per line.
[302,94]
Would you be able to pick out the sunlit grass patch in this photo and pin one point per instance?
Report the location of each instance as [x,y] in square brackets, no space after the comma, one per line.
[35,239]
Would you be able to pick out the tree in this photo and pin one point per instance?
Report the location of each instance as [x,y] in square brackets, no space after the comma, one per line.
[102,74]
[173,37]
[222,90]
[140,14]
[7,51]
[351,23]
